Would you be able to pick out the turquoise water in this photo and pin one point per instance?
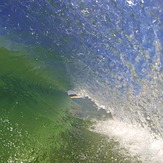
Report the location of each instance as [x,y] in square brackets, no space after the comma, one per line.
[37,119]
[109,52]
[32,107]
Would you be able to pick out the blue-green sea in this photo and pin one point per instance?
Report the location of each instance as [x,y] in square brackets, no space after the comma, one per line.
[37,120]
[109,52]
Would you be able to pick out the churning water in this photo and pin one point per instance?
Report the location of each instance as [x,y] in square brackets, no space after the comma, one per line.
[108,50]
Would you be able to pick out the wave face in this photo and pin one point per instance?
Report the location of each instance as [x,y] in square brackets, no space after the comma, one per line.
[110,50]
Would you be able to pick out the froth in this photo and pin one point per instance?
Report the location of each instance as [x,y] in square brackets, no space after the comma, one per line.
[136,140]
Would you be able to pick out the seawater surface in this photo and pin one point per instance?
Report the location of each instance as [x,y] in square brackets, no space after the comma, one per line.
[39,122]
[109,52]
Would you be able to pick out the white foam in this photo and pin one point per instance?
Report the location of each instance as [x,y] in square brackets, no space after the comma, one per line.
[136,140]
[83,93]
[130,2]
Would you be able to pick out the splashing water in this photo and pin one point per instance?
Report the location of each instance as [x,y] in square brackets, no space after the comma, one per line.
[138,141]
[110,51]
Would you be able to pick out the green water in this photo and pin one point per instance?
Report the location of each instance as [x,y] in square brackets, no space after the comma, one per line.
[36,124]
[32,107]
